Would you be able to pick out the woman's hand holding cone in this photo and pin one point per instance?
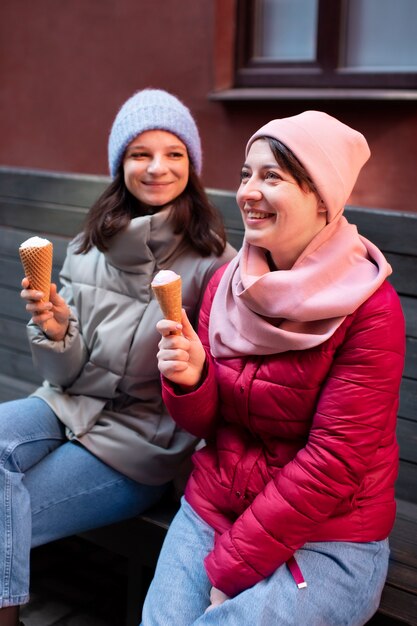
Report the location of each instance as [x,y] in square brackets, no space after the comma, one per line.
[51,316]
[181,357]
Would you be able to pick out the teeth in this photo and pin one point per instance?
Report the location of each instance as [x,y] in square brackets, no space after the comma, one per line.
[257,215]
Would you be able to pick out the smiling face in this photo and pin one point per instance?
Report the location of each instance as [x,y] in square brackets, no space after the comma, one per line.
[279,215]
[156,167]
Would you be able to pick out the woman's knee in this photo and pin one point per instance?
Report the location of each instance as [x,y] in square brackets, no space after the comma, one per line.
[28,430]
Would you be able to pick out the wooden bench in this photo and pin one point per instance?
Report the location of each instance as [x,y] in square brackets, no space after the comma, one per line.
[55,205]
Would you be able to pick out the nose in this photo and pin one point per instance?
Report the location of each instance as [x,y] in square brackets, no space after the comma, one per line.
[249,192]
[156,165]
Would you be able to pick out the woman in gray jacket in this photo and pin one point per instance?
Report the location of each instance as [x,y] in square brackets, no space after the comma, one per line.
[95,443]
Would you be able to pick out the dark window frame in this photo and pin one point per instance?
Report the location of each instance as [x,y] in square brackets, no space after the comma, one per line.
[323,73]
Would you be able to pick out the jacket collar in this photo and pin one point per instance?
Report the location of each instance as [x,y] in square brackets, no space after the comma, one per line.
[147,240]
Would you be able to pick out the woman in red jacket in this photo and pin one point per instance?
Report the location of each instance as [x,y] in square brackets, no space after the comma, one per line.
[293,383]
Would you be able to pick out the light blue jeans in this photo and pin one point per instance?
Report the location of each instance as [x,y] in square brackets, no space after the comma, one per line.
[52,488]
[344,584]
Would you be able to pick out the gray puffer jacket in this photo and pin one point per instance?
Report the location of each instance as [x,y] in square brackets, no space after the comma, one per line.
[102,380]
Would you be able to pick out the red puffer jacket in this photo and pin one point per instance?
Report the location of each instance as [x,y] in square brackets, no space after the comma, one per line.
[301,446]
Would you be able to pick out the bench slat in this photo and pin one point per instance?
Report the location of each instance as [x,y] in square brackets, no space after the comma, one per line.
[12,389]
[403,267]
[408,395]
[19,366]
[399,604]
[410,367]
[79,190]
[402,576]
[13,336]
[405,487]
[42,219]
[11,304]
[142,535]
[407,438]
[386,231]
[409,306]
[403,542]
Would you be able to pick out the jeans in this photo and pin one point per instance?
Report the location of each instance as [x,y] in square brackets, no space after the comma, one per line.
[344,584]
[52,488]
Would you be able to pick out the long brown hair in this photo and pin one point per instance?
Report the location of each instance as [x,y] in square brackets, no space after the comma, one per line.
[193,215]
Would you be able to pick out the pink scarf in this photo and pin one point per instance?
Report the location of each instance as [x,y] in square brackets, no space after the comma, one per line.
[257,311]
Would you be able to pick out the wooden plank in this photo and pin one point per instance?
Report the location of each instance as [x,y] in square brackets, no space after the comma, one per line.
[11,272]
[79,190]
[235,238]
[408,395]
[403,542]
[12,389]
[43,219]
[406,483]
[13,335]
[392,231]
[409,306]
[410,368]
[225,201]
[402,576]
[407,438]
[132,538]
[18,365]
[399,597]
[404,266]
[12,305]
[399,605]
[407,510]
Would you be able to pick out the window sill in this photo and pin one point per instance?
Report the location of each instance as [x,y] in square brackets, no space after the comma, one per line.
[282,93]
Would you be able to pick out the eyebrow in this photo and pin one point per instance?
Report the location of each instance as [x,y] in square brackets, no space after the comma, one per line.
[142,146]
[266,166]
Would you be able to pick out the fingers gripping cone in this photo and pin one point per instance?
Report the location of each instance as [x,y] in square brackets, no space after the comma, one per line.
[167,288]
[36,256]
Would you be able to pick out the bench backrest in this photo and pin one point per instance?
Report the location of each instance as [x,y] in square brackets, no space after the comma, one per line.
[55,205]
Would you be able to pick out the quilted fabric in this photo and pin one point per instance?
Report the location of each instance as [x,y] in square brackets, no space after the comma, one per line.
[301,446]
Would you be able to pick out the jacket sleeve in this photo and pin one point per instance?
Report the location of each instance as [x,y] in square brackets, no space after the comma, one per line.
[204,400]
[357,404]
[196,411]
[60,362]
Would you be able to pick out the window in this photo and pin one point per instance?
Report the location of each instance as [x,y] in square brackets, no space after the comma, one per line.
[359,44]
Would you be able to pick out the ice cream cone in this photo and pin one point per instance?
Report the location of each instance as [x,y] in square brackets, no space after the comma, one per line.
[36,256]
[168,295]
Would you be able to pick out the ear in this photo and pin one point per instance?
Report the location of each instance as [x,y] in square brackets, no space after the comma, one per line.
[321,207]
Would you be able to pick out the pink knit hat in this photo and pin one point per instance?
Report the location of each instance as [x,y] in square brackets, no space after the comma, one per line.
[331,152]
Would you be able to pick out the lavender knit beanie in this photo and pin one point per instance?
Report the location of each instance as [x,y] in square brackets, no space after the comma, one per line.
[153,109]
[331,152]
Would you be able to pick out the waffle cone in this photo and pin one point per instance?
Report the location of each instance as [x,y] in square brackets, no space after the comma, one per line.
[169,298]
[37,264]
